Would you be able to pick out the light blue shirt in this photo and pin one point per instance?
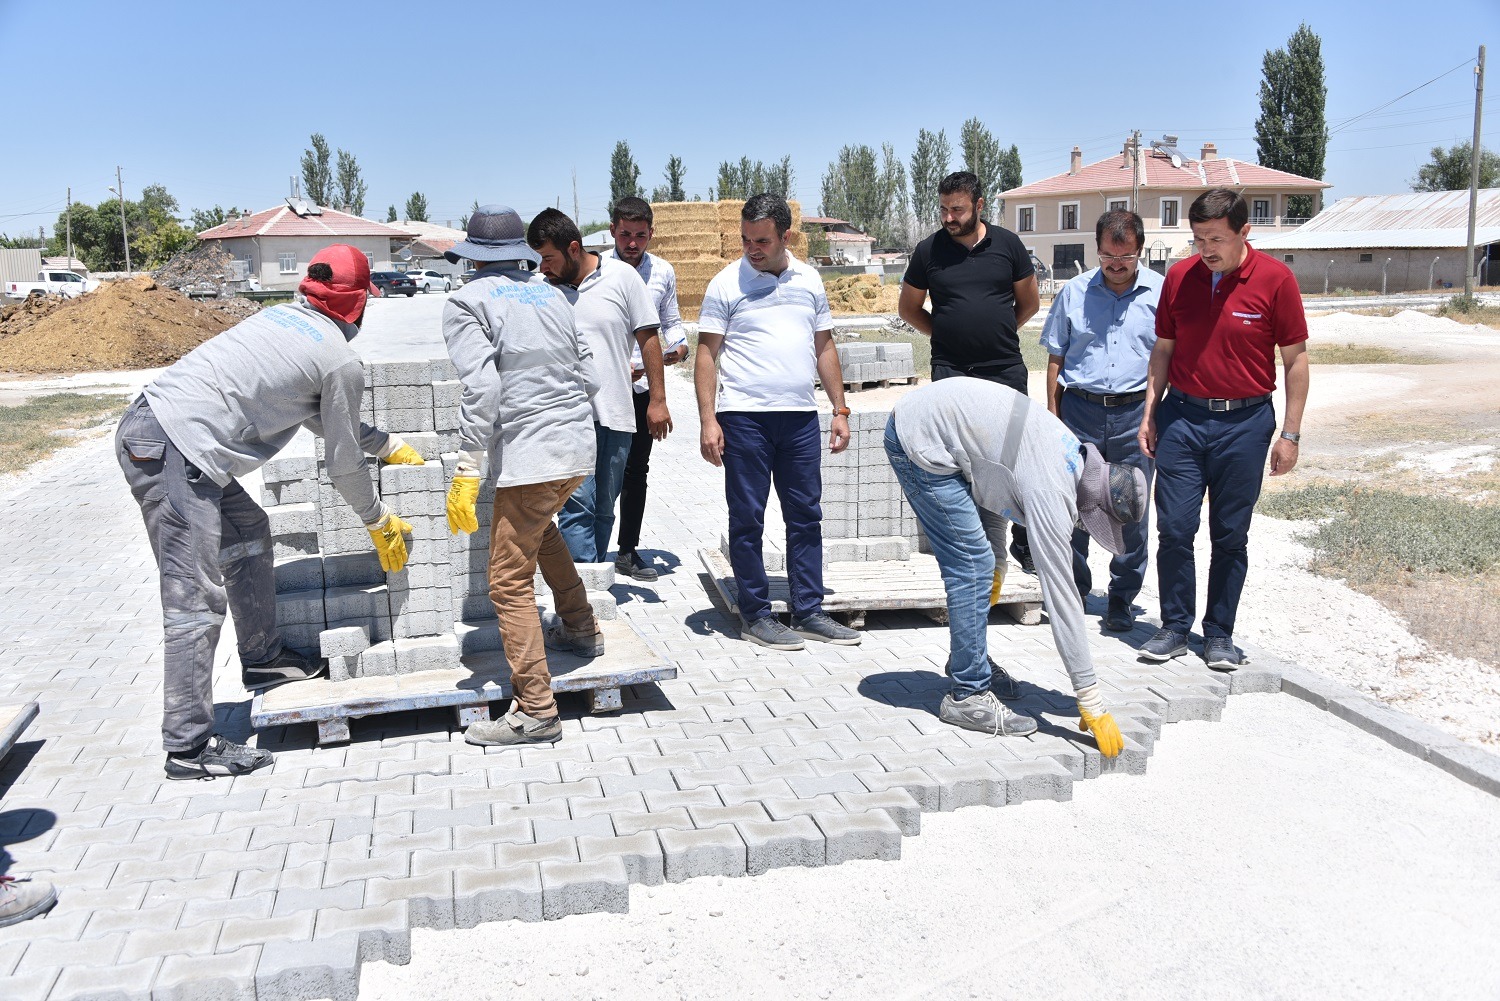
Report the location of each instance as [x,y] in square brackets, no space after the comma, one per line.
[1104,339]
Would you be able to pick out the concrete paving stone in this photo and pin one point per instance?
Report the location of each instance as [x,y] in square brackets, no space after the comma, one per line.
[322,968]
[556,809]
[714,816]
[640,853]
[559,850]
[627,824]
[245,884]
[28,986]
[574,827]
[599,885]
[195,912]
[47,953]
[222,977]
[226,802]
[146,943]
[968,785]
[436,839]
[1130,761]
[1189,704]
[744,741]
[715,851]
[347,895]
[777,844]
[513,832]
[429,898]
[486,795]
[573,771]
[474,857]
[238,932]
[800,752]
[733,795]
[1031,780]
[811,786]
[848,765]
[870,835]
[703,796]
[512,893]
[384,932]
[444,818]
[696,778]
[124,981]
[303,874]
[543,792]
[785,809]
[896,803]
[593,806]
[769,772]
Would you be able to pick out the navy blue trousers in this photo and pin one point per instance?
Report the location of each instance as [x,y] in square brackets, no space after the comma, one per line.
[1224,455]
[784,447]
[1115,432]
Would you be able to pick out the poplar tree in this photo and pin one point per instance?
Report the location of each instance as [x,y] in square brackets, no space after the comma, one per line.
[1291,133]
[624,175]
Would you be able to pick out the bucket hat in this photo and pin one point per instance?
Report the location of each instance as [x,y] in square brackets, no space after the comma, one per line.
[494,233]
[1111,495]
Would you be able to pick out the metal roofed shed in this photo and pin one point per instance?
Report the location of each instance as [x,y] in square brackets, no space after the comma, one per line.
[1392,243]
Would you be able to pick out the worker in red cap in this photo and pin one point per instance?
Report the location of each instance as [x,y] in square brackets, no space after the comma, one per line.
[219,413]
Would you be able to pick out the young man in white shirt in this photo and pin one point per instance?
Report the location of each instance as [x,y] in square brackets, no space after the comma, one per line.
[764,334]
[631,226]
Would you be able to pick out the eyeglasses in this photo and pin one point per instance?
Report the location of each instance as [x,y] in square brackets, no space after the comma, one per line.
[1111,258]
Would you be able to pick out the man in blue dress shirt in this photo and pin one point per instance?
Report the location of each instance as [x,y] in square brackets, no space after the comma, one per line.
[1098,337]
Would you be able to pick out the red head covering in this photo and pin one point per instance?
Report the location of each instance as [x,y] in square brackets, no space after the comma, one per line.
[343,293]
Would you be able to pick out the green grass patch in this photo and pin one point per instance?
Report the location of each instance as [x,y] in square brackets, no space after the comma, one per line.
[1367,534]
[32,430]
[1365,354]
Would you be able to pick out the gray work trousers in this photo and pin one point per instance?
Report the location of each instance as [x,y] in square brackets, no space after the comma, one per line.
[213,548]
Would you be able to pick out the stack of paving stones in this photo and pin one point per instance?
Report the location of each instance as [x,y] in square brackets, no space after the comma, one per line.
[862,363]
[866,516]
[334,599]
[280,884]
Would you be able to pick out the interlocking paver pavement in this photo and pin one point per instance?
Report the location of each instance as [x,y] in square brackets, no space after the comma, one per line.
[281,883]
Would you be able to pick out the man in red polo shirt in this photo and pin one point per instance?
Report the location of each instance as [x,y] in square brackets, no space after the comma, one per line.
[1222,317]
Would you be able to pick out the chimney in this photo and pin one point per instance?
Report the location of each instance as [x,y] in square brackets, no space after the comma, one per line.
[1210,152]
[1075,161]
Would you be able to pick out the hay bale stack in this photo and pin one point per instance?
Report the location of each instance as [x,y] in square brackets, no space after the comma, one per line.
[861,294]
[699,238]
[686,246]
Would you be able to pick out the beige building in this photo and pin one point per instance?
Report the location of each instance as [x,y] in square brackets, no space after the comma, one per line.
[1055,217]
[274,246]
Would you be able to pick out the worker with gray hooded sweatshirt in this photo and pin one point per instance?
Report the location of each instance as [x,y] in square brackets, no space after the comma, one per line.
[219,413]
[973,456]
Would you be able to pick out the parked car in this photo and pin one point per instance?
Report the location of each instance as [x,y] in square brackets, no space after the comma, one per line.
[67,284]
[390,283]
[468,276]
[429,280]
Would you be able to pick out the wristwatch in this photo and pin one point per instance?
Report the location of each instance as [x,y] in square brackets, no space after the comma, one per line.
[841,411]
[1295,437]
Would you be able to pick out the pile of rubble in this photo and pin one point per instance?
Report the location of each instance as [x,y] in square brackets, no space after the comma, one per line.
[202,267]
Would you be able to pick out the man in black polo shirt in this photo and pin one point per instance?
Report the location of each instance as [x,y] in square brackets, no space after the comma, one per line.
[983,290]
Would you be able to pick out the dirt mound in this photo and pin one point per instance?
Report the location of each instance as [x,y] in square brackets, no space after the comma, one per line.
[861,294]
[128,324]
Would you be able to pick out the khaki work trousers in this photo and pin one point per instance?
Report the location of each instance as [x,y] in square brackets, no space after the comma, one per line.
[522,536]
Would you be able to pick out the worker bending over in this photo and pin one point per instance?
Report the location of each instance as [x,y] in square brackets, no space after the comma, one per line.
[973,456]
[221,412]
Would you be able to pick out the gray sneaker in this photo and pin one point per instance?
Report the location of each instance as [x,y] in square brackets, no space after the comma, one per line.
[515,727]
[820,627]
[21,899]
[985,713]
[1220,653]
[218,757]
[555,636]
[767,631]
[1166,644]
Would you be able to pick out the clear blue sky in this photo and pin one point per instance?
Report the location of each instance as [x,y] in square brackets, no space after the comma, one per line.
[500,102]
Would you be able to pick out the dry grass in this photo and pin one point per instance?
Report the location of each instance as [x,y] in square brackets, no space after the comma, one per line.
[1487,315]
[1461,617]
[1365,354]
[37,428]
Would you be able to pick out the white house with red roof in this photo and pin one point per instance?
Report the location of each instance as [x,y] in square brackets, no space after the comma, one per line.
[1055,216]
[275,245]
[847,244]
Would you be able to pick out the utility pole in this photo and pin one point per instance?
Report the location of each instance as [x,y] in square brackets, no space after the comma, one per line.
[1474,174]
[119,189]
[576,218]
[1135,170]
[70,227]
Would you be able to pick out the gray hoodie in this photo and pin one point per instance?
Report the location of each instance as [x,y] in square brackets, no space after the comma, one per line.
[1024,466]
[238,398]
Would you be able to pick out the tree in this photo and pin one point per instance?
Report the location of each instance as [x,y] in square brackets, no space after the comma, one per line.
[672,191]
[779,177]
[983,158]
[317,178]
[416,207]
[624,175]
[155,231]
[867,191]
[202,219]
[1291,133]
[1450,168]
[929,165]
[752,177]
[463,220]
[1010,170]
[352,187]
[390,214]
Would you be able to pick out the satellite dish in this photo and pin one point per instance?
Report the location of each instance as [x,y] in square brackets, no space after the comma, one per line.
[1167,146]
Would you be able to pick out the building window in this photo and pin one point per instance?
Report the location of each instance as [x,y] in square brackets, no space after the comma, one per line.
[1067,260]
[1118,205]
[288,263]
[1067,216]
[371,258]
[1288,257]
[1026,220]
[1260,211]
[1170,207]
[1367,258]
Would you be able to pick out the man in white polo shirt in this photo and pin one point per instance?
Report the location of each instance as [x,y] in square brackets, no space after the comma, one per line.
[764,334]
[614,313]
[630,225]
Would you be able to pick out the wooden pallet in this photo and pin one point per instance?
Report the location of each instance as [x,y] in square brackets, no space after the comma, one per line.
[13,722]
[855,387]
[484,678]
[855,588]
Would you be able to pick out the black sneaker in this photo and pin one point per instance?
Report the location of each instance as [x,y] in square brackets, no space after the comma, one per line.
[288,666]
[218,757]
[1166,644]
[1023,557]
[1220,653]
[632,566]
[1120,617]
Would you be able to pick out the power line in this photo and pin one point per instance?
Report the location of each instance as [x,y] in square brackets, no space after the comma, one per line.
[1382,107]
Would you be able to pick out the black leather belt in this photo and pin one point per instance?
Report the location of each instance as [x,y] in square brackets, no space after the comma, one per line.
[1218,406]
[1109,399]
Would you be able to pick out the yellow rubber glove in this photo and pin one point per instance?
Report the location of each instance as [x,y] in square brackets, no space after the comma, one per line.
[387,534]
[1094,718]
[404,456]
[463,493]
[999,582]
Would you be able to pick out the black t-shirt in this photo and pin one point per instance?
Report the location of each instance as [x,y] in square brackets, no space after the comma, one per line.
[973,296]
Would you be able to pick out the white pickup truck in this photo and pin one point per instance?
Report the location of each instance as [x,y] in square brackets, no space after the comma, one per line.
[67,284]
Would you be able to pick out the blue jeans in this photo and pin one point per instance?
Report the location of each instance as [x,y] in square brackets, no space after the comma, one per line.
[945,507]
[1115,432]
[588,518]
[785,447]
[1224,454]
